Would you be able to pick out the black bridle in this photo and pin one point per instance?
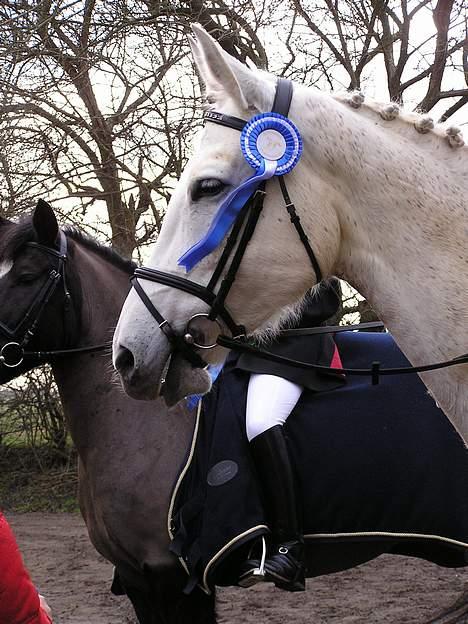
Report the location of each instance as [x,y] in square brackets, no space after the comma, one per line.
[236,245]
[14,351]
[231,257]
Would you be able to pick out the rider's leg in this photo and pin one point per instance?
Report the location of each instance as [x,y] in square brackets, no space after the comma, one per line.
[270,400]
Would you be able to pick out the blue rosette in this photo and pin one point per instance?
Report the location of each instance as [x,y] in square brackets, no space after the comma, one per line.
[272,145]
[273,137]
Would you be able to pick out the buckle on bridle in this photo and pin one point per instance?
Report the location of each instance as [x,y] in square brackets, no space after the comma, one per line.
[9,360]
[191,339]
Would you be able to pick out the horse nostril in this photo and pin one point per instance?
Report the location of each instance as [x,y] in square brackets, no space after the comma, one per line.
[124,361]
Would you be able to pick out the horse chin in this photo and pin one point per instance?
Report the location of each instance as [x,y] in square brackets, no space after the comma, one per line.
[139,391]
[183,380]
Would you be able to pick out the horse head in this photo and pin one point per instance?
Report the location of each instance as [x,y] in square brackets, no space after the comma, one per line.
[33,292]
[267,279]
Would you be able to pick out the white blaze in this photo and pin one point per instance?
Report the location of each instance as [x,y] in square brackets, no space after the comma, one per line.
[5,267]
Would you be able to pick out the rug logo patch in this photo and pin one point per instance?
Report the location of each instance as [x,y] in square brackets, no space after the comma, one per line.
[222,472]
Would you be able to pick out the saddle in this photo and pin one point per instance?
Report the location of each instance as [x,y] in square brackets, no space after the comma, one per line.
[380,469]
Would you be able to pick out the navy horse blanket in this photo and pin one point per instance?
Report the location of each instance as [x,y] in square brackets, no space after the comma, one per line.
[380,470]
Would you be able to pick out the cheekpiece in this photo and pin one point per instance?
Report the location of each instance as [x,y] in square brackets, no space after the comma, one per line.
[272,137]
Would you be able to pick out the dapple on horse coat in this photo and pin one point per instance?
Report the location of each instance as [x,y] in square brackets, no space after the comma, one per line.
[382,198]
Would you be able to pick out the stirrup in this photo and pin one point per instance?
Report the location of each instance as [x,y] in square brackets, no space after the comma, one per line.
[257,575]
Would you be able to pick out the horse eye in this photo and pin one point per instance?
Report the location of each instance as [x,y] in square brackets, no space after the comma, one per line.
[208,187]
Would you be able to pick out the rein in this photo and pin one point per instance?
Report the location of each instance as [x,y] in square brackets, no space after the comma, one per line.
[237,241]
[375,371]
[13,352]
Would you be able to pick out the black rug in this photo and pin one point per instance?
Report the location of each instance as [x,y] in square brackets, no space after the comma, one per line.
[380,470]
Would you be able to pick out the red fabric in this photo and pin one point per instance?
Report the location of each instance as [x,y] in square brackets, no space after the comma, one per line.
[336,360]
[19,600]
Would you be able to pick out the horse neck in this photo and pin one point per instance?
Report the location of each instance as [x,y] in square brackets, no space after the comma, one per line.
[399,199]
[100,289]
[126,448]
[93,400]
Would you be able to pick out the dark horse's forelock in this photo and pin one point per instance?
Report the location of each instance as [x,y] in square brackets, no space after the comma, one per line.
[14,235]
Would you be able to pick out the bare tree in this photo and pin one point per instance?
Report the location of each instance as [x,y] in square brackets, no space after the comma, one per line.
[97,100]
[347,42]
[92,109]
[234,24]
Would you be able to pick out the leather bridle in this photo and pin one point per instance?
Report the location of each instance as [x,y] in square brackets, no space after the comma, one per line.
[236,245]
[231,257]
[12,353]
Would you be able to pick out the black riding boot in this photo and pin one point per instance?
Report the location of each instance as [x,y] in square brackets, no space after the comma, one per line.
[284,564]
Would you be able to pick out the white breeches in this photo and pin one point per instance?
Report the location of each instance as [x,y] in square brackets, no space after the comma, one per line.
[270,400]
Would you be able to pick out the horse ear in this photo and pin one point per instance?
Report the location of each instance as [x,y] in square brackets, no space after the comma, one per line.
[223,74]
[45,223]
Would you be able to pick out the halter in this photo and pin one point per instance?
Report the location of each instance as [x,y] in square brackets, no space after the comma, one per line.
[236,244]
[13,352]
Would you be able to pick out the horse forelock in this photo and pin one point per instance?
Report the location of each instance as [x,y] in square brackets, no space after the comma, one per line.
[14,236]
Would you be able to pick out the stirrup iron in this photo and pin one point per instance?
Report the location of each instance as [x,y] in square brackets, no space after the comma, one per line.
[258,574]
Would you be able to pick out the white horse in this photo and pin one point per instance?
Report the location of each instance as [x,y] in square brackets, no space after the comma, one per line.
[382,195]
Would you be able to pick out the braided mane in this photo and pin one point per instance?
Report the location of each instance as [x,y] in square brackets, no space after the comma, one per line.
[390,111]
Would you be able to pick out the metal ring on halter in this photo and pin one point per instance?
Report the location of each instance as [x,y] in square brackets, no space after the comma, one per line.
[3,359]
[189,338]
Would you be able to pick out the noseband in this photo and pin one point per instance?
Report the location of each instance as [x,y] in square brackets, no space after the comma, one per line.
[231,257]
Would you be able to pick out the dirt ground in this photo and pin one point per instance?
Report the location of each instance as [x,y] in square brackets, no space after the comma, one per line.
[389,590]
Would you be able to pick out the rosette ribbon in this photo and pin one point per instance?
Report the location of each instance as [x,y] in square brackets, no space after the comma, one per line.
[272,145]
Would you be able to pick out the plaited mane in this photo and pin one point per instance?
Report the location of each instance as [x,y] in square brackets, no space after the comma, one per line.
[389,111]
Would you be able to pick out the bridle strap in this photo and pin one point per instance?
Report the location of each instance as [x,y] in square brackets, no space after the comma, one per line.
[375,372]
[166,328]
[41,299]
[332,329]
[296,221]
[174,281]
[45,355]
[225,120]
[283,97]
[229,278]
[229,247]
[38,306]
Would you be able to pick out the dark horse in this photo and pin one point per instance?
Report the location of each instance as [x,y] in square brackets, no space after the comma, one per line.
[61,290]
[129,451]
